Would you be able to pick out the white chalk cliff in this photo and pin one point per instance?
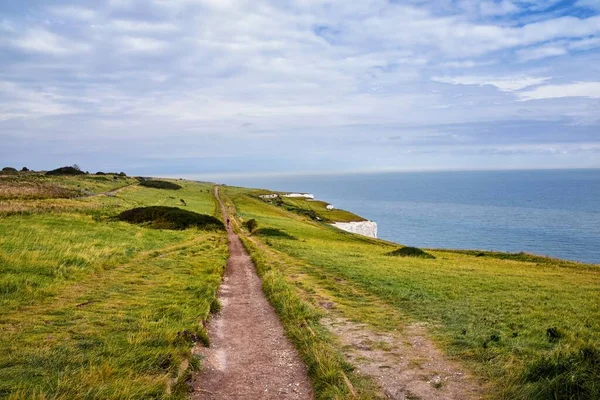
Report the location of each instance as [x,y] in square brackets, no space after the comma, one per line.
[365,228]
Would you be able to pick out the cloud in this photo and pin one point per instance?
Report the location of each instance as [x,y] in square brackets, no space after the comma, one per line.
[142,26]
[324,77]
[505,84]
[142,45]
[40,40]
[538,53]
[579,89]
[493,8]
[73,12]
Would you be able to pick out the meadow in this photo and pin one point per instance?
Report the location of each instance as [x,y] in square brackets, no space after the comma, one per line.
[96,308]
[528,327]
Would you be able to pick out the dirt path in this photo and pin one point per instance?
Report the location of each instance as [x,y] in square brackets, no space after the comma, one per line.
[250,357]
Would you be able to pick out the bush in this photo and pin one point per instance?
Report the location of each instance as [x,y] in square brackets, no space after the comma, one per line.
[161,217]
[24,169]
[410,252]
[272,232]
[565,374]
[156,184]
[66,171]
[8,171]
[251,225]
[100,173]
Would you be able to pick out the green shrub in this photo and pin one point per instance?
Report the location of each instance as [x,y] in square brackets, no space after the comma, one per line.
[66,171]
[8,171]
[161,217]
[410,252]
[273,232]
[251,225]
[156,184]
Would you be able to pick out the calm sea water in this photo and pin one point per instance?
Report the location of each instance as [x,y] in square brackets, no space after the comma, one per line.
[550,212]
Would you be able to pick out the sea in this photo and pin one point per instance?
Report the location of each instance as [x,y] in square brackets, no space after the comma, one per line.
[547,212]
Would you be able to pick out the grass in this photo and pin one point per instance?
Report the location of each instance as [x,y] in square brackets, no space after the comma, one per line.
[97,308]
[314,209]
[492,313]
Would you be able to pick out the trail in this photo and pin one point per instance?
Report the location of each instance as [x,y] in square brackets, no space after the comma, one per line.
[249,357]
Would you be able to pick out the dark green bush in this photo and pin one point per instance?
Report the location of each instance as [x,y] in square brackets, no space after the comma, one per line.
[8,171]
[156,184]
[410,252]
[100,173]
[161,217]
[273,232]
[251,225]
[66,171]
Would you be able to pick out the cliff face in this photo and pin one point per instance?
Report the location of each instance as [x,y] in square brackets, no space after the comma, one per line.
[365,228]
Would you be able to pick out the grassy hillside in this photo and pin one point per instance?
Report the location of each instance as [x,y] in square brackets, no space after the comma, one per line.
[97,308]
[529,326]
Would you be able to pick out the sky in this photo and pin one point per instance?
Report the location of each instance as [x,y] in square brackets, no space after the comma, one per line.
[243,87]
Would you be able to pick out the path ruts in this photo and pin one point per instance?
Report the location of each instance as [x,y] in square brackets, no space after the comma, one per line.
[249,357]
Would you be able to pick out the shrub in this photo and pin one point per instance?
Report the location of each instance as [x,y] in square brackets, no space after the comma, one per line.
[161,217]
[156,184]
[272,232]
[24,169]
[100,173]
[251,225]
[410,252]
[66,171]
[8,171]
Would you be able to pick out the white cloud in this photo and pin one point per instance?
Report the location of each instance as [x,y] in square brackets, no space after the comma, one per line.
[538,53]
[73,12]
[505,84]
[142,26]
[493,8]
[40,40]
[579,89]
[142,44]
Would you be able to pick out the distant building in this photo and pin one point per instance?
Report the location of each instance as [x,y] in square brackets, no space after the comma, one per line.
[330,207]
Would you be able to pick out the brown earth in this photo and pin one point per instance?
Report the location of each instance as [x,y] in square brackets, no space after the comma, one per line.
[249,357]
[405,365]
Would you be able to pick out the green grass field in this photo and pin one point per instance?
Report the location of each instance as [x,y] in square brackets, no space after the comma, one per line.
[100,309]
[529,326]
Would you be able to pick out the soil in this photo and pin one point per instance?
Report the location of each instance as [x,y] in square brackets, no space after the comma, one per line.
[405,365]
[249,356]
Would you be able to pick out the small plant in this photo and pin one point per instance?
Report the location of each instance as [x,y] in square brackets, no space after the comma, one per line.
[410,252]
[251,225]
[157,184]
[554,334]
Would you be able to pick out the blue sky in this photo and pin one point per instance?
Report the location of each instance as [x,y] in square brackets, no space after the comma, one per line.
[214,87]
